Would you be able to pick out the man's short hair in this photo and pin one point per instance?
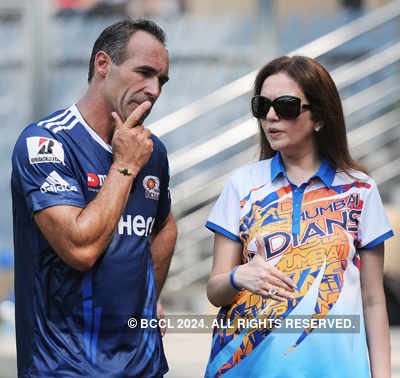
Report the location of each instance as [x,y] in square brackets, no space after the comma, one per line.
[114,38]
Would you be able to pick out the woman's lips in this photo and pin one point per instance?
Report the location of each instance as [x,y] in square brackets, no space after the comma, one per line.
[274,133]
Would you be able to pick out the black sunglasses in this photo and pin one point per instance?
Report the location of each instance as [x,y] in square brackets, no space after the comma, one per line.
[286,107]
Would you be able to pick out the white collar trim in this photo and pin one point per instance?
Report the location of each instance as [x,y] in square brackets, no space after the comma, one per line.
[74,109]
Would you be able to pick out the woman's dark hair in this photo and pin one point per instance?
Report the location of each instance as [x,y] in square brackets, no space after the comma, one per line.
[114,38]
[321,92]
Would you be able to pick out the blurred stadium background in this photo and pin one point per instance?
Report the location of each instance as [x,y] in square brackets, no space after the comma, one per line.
[203,115]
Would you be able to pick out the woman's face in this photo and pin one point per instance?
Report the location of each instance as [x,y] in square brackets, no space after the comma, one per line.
[290,137]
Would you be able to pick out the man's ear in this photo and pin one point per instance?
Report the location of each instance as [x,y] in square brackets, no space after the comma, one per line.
[102,63]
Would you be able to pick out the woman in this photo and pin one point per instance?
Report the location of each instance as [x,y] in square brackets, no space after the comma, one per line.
[291,232]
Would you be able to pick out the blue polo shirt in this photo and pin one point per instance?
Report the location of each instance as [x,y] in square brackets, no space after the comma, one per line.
[71,323]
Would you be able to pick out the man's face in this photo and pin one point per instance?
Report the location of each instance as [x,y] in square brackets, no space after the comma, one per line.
[139,77]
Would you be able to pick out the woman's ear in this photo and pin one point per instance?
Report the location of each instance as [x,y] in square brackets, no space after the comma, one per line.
[317,119]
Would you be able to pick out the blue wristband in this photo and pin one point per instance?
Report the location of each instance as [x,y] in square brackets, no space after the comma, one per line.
[232,280]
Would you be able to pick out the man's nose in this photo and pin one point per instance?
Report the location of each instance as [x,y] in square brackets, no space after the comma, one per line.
[152,88]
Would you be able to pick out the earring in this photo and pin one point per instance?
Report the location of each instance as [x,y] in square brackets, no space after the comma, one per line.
[317,128]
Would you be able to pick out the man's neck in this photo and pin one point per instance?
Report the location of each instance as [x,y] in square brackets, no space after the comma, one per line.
[95,113]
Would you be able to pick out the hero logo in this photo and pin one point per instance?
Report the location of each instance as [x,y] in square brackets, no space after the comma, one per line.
[151,186]
[137,225]
[55,183]
[95,181]
[44,150]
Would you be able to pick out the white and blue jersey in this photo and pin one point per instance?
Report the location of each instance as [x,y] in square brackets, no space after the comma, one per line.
[315,234]
[71,323]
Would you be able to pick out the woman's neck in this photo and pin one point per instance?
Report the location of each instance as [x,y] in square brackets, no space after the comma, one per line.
[300,167]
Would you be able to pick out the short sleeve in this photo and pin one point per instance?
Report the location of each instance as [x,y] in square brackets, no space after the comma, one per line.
[225,215]
[374,226]
[42,172]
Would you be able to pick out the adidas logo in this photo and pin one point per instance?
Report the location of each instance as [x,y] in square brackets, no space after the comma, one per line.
[55,183]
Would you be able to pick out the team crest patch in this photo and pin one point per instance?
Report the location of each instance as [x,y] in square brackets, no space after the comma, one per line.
[44,150]
[151,186]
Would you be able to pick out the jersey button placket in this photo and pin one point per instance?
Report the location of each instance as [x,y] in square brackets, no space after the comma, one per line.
[297,201]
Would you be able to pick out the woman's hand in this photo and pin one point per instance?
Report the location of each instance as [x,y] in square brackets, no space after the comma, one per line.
[259,277]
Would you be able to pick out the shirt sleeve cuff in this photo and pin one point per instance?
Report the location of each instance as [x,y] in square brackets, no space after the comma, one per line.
[41,205]
[215,228]
[378,240]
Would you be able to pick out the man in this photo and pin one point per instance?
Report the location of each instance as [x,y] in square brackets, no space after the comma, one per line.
[92,219]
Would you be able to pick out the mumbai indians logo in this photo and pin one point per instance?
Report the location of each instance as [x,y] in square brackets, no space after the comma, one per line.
[151,186]
[279,242]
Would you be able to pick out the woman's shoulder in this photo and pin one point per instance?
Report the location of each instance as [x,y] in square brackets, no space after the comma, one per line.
[252,169]
[256,173]
[354,176]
